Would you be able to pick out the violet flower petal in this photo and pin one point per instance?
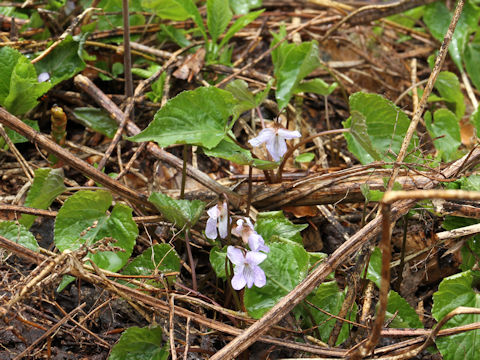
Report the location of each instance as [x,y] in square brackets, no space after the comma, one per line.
[259,277]
[236,256]
[263,136]
[255,257]
[276,147]
[211,229]
[287,134]
[223,221]
[238,281]
[213,212]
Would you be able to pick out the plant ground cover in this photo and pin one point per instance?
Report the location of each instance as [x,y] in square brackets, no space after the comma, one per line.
[221,193]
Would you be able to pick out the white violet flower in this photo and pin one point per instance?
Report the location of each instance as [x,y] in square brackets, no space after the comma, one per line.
[275,140]
[217,216]
[245,230]
[246,270]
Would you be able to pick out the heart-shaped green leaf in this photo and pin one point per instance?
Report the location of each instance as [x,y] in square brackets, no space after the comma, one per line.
[329,298]
[403,315]
[19,87]
[386,126]
[275,224]
[158,259]
[454,291]
[197,117]
[178,212]
[445,126]
[63,62]
[286,265]
[83,219]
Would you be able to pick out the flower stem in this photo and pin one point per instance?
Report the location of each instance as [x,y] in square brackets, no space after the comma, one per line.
[229,275]
[184,171]
[190,259]
[290,151]
[249,196]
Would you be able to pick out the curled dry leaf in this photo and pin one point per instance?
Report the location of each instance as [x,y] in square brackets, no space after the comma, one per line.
[191,66]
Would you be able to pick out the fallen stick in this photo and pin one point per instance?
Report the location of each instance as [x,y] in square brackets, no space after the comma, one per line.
[51,147]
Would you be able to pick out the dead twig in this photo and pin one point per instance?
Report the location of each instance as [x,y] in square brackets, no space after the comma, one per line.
[427,91]
[39,139]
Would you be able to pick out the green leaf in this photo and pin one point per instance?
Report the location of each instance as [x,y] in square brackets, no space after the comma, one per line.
[218,17]
[115,20]
[359,140]
[386,127]
[47,185]
[174,34]
[305,157]
[190,7]
[286,265]
[408,18]
[179,212]
[160,258]
[228,150]
[292,63]
[244,6]
[239,24]
[167,9]
[8,59]
[63,62]
[140,344]
[83,219]
[374,271]
[317,86]
[18,234]
[275,224]
[157,89]
[472,63]
[245,98]
[197,117]
[16,137]
[448,86]
[437,18]
[327,297]
[19,88]
[365,189]
[445,124]
[97,120]
[454,291]
[471,183]
[217,260]
[66,280]
[475,120]
[470,253]
[405,315]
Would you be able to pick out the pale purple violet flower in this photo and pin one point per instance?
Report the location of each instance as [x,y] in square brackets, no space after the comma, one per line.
[245,230]
[217,216]
[246,270]
[275,140]
[42,77]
